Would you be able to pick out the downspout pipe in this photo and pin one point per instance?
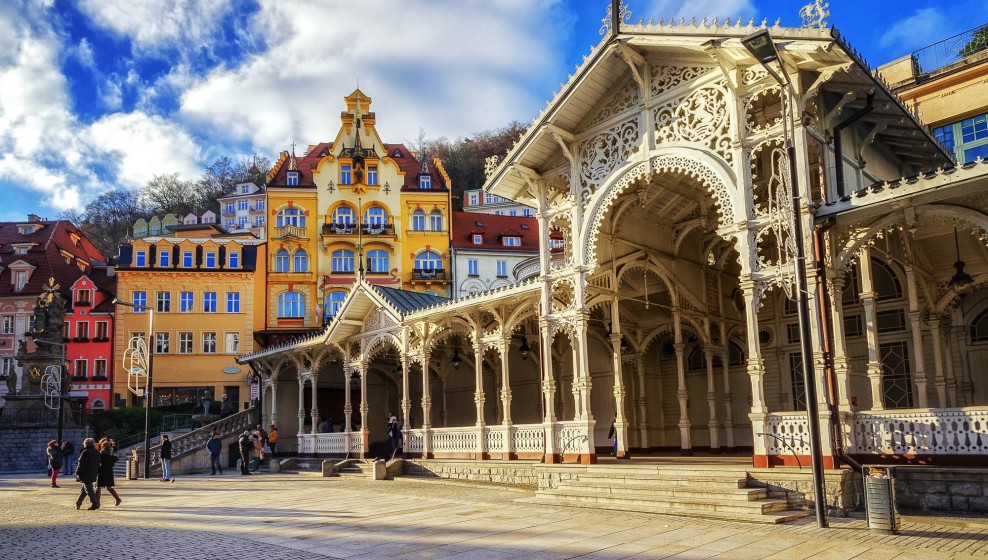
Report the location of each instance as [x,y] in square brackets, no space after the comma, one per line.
[838,149]
[823,302]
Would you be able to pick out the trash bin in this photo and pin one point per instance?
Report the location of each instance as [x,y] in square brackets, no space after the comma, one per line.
[131,469]
[879,488]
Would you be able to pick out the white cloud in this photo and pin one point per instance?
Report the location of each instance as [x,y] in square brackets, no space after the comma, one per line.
[925,27]
[449,66]
[666,9]
[152,24]
[111,94]
[141,146]
[84,52]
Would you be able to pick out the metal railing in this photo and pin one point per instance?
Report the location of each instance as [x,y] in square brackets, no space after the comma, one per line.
[428,274]
[952,50]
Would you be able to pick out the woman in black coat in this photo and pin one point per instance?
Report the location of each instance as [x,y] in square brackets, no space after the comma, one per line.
[87,472]
[54,461]
[105,479]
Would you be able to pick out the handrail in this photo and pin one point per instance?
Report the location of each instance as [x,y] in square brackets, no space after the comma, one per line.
[354,446]
[566,445]
[785,443]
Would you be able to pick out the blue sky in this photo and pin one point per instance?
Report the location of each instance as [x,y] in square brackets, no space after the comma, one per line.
[103,94]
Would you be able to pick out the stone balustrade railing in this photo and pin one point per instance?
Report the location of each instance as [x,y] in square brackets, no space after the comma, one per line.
[940,431]
[187,444]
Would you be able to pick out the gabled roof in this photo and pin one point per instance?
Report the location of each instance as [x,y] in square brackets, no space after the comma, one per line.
[55,243]
[815,49]
[493,227]
[405,301]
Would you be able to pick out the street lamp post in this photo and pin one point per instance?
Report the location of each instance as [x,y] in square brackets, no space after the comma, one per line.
[148,400]
[763,49]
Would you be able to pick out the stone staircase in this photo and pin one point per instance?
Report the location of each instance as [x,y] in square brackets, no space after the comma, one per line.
[356,469]
[710,492]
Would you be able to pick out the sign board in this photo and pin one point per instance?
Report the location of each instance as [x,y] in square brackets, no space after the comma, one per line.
[255,391]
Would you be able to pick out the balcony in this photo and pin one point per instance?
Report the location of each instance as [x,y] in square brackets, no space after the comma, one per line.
[428,274]
[379,229]
[971,44]
[290,231]
[339,229]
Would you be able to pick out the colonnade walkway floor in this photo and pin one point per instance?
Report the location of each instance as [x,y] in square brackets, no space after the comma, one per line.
[306,516]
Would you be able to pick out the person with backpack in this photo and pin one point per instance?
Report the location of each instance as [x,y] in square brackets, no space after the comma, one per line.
[246,446]
[55,461]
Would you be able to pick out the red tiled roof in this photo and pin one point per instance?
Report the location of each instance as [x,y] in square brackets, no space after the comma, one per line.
[306,165]
[493,227]
[52,238]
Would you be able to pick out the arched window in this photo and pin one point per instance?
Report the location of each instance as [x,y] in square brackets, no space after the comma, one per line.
[301,261]
[979,327]
[290,217]
[98,404]
[343,216]
[735,354]
[377,261]
[418,220]
[429,260]
[436,220]
[291,305]
[375,216]
[332,304]
[343,261]
[885,281]
[281,261]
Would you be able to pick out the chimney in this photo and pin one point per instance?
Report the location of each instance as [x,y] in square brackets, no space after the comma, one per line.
[33,218]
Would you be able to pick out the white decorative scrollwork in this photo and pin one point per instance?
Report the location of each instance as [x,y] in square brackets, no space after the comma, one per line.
[665,78]
[603,152]
[757,118]
[815,14]
[700,116]
[778,211]
[626,97]
[490,164]
[684,165]
[624,14]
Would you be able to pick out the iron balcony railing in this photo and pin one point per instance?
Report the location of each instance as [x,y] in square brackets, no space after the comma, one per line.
[952,50]
[351,229]
[428,274]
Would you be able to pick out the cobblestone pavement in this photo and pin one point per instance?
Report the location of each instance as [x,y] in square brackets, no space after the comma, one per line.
[305,516]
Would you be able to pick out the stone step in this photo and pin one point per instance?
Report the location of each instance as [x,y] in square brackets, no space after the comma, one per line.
[699,481]
[780,516]
[603,488]
[664,502]
[671,471]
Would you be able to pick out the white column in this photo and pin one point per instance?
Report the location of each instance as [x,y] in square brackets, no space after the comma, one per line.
[478,395]
[681,393]
[426,406]
[841,367]
[504,348]
[314,412]
[274,400]
[940,380]
[364,409]
[301,404]
[620,423]
[347,404]
[755,367]
[712,423]
[548,393]
[406,401]
[919,369]
[642,404]
[871,331]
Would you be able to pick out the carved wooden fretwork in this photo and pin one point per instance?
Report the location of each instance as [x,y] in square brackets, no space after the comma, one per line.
[605,151]
[701,117]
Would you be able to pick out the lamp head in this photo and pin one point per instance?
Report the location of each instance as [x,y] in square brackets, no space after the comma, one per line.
[524,349]
[761,46]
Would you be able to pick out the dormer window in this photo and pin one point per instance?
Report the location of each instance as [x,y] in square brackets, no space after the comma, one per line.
[22,248]
[164,258]
[210,260]
[141,258]
[478,239]
[292,179]
[28,229]
[511,241]
[425,182]
[244,189]
[20,280]
[82,297]
[346,176]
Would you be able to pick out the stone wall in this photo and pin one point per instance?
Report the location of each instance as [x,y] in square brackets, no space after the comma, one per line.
[23,449]
[959,490]
[843,487]
[515,473]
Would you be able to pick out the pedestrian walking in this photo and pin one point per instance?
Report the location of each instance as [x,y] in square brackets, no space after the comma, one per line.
[166,459]
[393,432]
[87,472]
[214,445]
[55,461]
[245,449]
[68,453]
[107,459]
[612,434]
[273,440]
[264,436]
[257,452]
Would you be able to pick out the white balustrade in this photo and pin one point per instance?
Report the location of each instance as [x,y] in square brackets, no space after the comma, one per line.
[495,438]
[788,433]
[305,444]
[454,440]
[569,435]
[339,443]
[528,438]
[415,441]
[939,431]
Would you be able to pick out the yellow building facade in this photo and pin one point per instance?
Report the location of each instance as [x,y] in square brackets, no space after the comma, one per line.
[379,213]
[206,288]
